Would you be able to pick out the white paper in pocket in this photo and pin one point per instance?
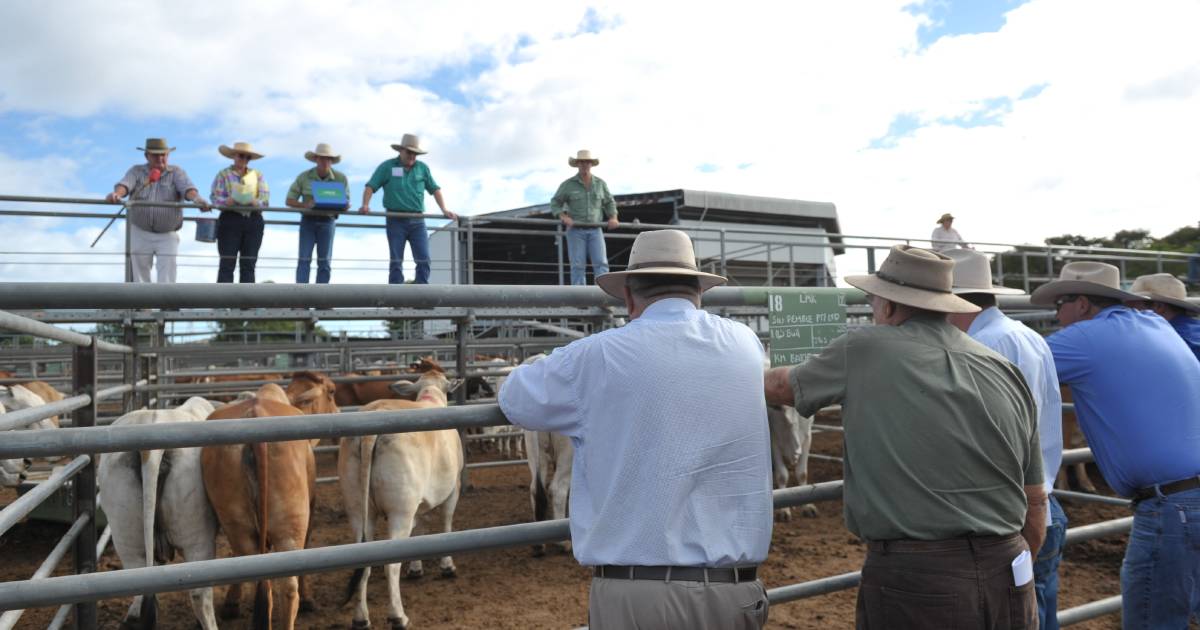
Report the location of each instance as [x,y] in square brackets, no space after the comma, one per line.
[397,171]
[1022,568]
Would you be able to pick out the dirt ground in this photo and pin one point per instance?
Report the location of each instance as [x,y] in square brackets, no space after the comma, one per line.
[511,589]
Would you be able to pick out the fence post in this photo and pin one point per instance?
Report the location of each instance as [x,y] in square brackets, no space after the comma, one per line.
[83,375]
[724,265]
[460,395]
[470,250]
[870,259]
[999,269]
[558,240]
[1025,269]
[128,246]
[130,366]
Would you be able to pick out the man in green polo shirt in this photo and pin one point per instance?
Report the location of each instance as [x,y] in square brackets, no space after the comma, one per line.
[405,180]
[585,199]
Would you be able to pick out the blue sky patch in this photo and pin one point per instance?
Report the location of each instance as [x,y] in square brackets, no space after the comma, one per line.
[707,168]
[902,126]
[960,17]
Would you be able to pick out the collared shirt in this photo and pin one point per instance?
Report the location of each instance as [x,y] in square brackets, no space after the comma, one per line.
[301,189]
[1028,351]
[584,204]
[942,234]
[172,185]
[1137,396]
[672,451]
[940,432]
[403,189]
[1188,328]
[229,182]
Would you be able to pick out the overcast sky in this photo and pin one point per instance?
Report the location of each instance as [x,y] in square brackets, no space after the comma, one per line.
[1024,119]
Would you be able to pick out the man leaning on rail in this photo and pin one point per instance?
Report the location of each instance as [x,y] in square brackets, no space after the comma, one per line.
[943,470]
[154,230]
[1137,396]
[1028,351]
[671,486]
[1165,294]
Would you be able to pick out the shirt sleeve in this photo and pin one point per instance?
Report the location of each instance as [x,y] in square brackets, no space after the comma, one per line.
[297,187]
[220,191]
[430,185]
[183,184]
[1034,475]
[607,204]
[558,203]
[380,176]
[821,380]
[541,396]
[264,191]
[1070,356]
[130,180]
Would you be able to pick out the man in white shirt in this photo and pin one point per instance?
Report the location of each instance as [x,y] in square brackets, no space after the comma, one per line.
[945,238]
[671,490]
[1028,351]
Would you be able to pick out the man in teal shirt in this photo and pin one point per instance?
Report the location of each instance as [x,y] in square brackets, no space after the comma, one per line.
[585,199]
[405,180]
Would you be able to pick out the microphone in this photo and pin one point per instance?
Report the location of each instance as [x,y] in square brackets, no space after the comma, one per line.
[155,174]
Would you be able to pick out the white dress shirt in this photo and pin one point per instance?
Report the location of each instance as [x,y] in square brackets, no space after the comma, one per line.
[950,239]
[1028,351]
[672,451]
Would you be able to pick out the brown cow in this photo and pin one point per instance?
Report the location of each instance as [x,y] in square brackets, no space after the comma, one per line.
[350,394]
[47,393]
[273,510]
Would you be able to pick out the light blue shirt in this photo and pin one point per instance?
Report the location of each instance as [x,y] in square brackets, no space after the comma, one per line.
[1027,350]
[1137,396]
[672,451]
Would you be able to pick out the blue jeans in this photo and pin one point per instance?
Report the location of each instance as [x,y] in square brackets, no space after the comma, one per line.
[1160,578]
[399,231]
[315,231]
[582,244]
[1045,568]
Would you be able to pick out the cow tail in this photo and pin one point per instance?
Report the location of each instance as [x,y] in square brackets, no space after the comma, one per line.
[366,453]
[533,452]
[262,592]
[151,464]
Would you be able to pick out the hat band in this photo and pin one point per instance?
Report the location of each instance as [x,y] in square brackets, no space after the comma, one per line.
[904,283]
[661,263]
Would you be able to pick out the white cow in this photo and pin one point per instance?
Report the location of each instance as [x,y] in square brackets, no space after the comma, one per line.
[791,441]
[155,504]
[16,398]
[403,475]
[507,441]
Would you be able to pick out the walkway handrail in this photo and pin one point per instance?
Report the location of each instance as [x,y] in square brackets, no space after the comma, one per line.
[19,509]
[16,323]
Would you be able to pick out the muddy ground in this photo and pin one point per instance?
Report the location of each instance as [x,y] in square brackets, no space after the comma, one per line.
[511,589]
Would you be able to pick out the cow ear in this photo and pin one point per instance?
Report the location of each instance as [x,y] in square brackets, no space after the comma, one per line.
[406,389]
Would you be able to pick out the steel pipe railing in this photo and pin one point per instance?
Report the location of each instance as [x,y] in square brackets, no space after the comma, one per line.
[22,418]
[1087,497]
[60,617]
[1091,610]
[10,618]
[1098,530]
[16,323]
[21,508]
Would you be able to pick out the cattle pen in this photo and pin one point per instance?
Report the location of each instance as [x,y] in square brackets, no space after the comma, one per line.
[460,304]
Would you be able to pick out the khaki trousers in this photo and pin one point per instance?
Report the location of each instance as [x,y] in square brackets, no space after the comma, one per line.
[145,246]
[654,605]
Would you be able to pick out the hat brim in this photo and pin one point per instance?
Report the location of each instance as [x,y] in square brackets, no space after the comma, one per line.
[1047,293]
[912,296]
[612,283]
[990,291]
[417,150]
[573,162]
[312,157]
[155,151]
[1176,302]
[230,152]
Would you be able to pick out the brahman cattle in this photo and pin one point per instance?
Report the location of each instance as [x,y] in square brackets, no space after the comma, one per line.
[550,459]
[47,394]
[16,398]
[403,476]
[791,441]
[362,393]
[155,503]
[263,495]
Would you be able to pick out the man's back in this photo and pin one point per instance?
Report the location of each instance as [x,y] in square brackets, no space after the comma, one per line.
[1137,394]
[672,458]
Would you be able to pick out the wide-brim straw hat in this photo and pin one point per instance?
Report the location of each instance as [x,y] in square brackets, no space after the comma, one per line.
[410,143]
[1165,288]
[583,156]
[915,277]
[1083,278]
[973,274]
[659,252]
[240,147]
[945,217]
[322,150]
[156,145]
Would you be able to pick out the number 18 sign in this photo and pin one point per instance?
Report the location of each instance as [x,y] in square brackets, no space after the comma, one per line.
[802,324]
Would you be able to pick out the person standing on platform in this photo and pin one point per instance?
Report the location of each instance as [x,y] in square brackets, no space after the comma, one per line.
[585,198]
[237,189]
[945,237]
[405,180]
[317,229]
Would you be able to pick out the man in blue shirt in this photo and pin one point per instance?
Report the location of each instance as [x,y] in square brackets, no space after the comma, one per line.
[670,500]
[1027,350]
[1137,396]
[1165,294]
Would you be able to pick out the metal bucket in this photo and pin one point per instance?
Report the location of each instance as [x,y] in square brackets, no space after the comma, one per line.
[206,230]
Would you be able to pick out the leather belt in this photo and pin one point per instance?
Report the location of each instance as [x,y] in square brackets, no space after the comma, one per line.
[676,574]
[1150,492]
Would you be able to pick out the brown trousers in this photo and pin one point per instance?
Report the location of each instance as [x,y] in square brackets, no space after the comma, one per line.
[659,605]
[962,583]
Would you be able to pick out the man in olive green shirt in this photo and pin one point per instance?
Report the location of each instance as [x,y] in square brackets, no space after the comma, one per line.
[943,469]
[585,199]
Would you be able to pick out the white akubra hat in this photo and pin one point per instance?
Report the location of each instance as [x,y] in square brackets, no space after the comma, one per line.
[659,252]
[1165,288]
[916,277]
[323,150]
[583,155]
[239,147]
[973,274]
[1083,278]
[410,143]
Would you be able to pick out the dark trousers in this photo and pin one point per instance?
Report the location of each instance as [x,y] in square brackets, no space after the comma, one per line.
[957,583]
[238,239]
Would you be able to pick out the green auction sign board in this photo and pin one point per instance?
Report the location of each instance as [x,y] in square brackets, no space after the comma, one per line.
[802,324]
